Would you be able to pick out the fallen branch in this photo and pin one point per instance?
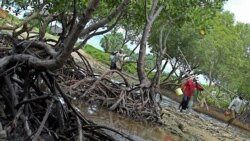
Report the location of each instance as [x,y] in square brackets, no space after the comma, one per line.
[43,121]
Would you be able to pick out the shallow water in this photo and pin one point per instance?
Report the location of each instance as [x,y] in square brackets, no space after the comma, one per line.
[139,130]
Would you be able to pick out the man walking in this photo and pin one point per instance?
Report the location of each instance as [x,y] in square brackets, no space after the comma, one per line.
[234,107]
[188,89]
[116,60]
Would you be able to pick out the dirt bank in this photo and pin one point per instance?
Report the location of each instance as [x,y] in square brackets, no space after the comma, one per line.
[213,111]
[194,126]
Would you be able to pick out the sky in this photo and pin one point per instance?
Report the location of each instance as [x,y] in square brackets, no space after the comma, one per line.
[240,9]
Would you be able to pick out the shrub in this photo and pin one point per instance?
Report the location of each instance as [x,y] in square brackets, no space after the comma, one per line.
[130,68]
[224,103]
[97,54]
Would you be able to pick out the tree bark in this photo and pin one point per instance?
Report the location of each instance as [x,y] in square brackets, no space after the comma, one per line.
[144,81]
[66,46]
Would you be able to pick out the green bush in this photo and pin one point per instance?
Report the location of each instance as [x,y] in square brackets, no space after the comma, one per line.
[210,100]
[97,54]
[104,58]
[164,75]
[151,75]
[11,19]
[130,68]
[224,103]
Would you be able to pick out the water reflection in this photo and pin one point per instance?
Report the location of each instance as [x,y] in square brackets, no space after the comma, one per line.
[138,130]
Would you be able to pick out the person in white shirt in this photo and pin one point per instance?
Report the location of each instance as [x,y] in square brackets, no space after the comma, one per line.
[116,60]
[235,106]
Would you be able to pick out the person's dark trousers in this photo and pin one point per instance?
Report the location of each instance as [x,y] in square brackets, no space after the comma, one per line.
[113,66]
[184,103]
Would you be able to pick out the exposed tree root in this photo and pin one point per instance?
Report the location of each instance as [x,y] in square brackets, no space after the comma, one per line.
[132,101]
[38,100]
[35,99]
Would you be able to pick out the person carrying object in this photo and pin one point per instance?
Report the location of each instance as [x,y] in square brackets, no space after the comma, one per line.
[116,60]
[234,108]
[188,88]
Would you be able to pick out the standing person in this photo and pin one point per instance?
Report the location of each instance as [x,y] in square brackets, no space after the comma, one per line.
[113,61]
[188,89]
[116,60]
[235,106]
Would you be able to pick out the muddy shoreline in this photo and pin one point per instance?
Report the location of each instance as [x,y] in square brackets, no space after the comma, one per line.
[102,67]
[212,112]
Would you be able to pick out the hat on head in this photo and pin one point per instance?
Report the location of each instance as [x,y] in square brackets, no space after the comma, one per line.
[195,79]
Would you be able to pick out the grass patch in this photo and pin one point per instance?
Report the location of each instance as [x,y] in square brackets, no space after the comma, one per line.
[104,58]
[97,54]
[10,19]
[130,68]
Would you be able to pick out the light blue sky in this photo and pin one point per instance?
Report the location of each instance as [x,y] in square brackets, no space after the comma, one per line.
[240,8]
[95,41]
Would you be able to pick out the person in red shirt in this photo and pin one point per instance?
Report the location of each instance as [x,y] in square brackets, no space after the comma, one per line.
[188,89]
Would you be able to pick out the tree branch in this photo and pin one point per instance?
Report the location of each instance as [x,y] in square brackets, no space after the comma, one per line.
[144,81]
[102,22]
[8,27]
[44,120]
[44,25]
[40,45]
[97,33]
[68,44]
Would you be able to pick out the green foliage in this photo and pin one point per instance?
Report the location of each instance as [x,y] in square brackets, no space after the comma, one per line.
[97,54]
[181,23]
[60,6]
[164,76]
[104,58]
[219,103]
[134,57]
[149,61]
[112,42]
[151,75]
[133,21]
[208,37]
[130,68]
[197,12]
[224,103]
[224,55]
[10,19]
[14,19]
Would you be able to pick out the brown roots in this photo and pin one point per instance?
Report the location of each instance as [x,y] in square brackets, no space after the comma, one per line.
[36,102]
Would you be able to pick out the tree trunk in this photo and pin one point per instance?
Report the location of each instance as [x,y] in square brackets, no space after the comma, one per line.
[210,73]
[65,45]
[144,81]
